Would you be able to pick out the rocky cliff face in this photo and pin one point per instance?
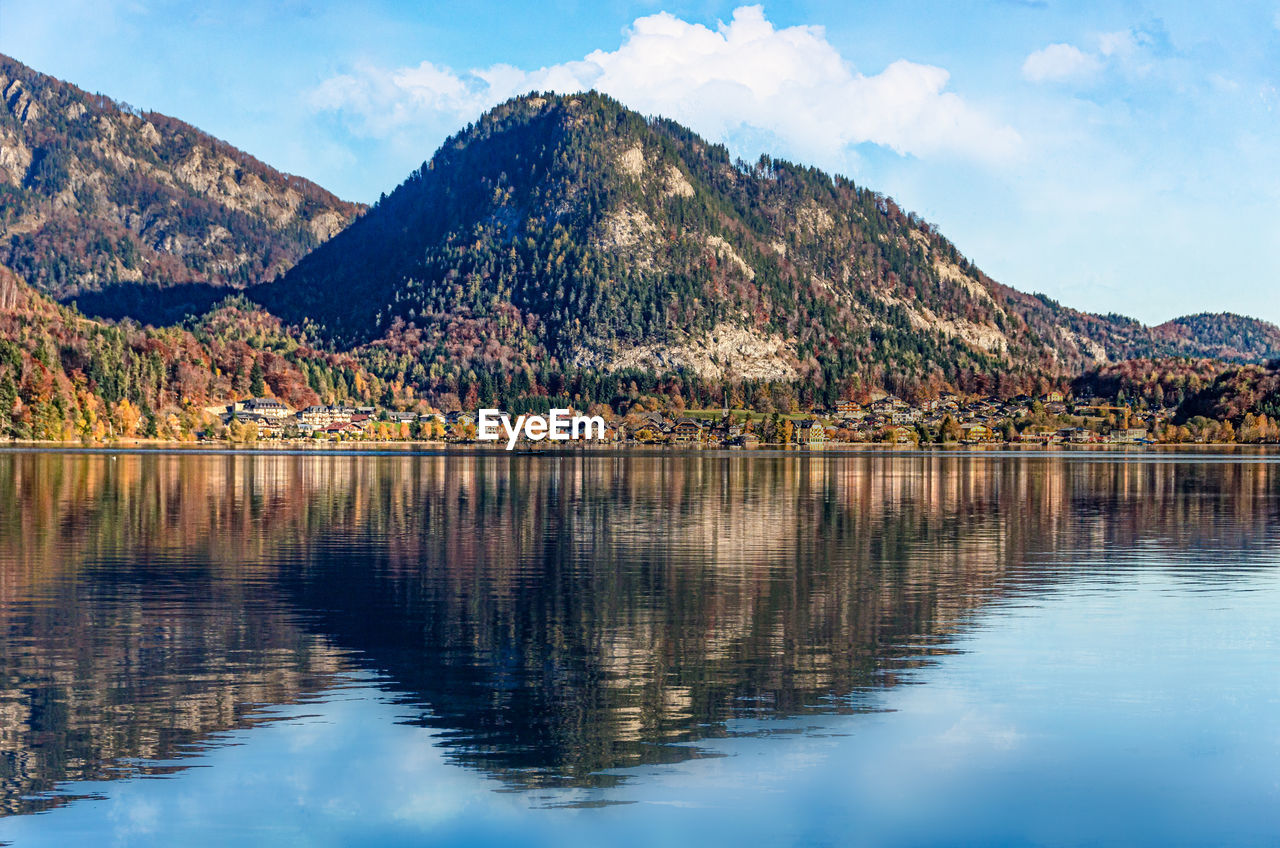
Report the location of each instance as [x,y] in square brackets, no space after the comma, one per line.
[94,194]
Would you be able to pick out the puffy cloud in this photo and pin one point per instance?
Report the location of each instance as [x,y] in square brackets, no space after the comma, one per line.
[742,79]
[1060,62]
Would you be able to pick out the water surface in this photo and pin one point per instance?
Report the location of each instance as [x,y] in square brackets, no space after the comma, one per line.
[867,649]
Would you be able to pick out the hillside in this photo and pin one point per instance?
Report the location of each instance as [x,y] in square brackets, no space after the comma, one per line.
[1160,383]
[97,196]
[1222,336]
[569,234]
[1247,390]
[67,377]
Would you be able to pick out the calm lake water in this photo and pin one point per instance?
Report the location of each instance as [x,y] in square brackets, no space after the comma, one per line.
[618,650]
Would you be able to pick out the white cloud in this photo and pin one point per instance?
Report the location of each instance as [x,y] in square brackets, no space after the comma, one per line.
[745,78]
[1121,43]
[1060,62]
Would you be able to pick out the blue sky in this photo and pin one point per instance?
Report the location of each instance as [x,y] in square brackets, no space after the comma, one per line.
[1117,156]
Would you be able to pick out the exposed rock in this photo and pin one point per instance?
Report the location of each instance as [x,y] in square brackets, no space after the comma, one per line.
[148,132]
[632,161]
[723,250]
[15,158]
[1093,347]
[21,105]
[813,219]
[627,228]
[676,185]
[327,224]
[950,273]
[729,350]
[986,337]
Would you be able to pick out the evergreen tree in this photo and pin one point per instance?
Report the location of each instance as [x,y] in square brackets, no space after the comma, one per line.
[257,380]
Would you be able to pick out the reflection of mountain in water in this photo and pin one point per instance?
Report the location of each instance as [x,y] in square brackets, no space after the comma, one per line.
[552,616]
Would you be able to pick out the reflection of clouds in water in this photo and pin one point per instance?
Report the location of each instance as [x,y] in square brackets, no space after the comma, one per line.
[134,818]
[973,730]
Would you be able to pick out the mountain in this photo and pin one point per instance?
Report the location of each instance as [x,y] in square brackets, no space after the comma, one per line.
[560,246]
[98,197]
[568,233]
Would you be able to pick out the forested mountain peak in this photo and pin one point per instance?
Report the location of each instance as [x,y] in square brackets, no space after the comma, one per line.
[570,230]
[95,194]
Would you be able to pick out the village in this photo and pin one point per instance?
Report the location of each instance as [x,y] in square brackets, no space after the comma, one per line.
[884,419]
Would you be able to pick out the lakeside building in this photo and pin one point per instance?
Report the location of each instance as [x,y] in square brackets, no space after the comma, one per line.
[687,430]
[810,433]
[887,419]
[269,408]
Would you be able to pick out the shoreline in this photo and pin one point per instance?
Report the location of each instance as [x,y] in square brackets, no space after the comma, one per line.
[162,447]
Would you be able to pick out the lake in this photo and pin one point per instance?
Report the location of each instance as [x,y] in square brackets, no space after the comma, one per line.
[622,649]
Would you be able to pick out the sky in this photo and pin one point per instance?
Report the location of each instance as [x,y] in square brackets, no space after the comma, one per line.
[1117,156]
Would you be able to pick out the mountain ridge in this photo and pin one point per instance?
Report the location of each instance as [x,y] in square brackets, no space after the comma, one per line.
[95,194]
[554,237]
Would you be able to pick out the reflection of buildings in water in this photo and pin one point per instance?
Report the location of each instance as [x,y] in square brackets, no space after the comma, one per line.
[555,614]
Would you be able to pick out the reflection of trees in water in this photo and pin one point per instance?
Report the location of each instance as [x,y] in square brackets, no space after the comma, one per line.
[134,625]
[558,617]
[553,616]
